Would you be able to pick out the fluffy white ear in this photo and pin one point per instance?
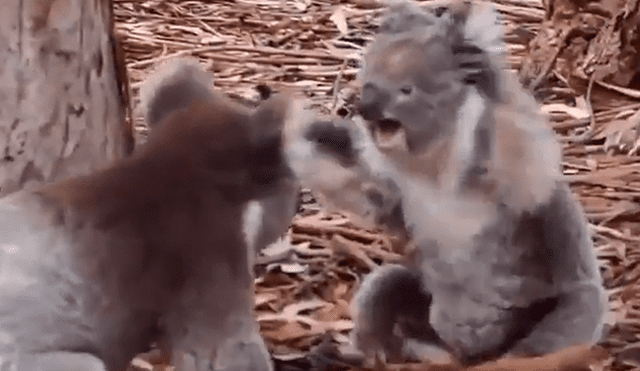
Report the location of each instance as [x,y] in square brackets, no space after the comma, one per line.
[470,22]
[476,36]
[481,25]
[483,29]
[402,20]
[405,16]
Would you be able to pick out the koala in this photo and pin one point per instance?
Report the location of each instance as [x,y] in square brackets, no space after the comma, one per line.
[151,249]
[506,262]
[174,87]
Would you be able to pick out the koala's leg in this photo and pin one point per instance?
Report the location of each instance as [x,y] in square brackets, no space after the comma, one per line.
[13,359]
[60,361]
[519,325]
[577,319]
[582,301]
[245,351]
[213,326]
[392,298]
[548,325]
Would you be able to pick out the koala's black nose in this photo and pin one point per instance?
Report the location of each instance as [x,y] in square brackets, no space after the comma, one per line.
[372,102]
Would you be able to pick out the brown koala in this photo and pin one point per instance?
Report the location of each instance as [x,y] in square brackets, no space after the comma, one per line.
[505,261]
[97,267]
[173,87]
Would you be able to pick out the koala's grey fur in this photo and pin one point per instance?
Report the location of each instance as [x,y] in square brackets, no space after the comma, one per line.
[505,253]
[525,281]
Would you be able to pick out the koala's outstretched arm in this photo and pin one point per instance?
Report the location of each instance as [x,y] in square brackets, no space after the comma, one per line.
[317,146]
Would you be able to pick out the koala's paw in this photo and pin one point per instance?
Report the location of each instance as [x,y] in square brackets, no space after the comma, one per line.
[379,343]
[244,355]
[8,353]
[60,361]
[391,306]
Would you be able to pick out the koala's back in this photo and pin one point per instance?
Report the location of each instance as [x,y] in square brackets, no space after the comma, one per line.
[46,304]
[106,263]
[100,280]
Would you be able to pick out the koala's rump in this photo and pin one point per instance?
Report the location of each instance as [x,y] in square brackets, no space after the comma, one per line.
[67,284]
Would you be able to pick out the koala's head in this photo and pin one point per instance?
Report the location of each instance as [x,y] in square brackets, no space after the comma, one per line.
[227,146]
[421,70]
[221,142]
[439,105]
[413,86]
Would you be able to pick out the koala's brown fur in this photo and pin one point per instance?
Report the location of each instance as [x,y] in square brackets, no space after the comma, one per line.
[150,248]
[175,86]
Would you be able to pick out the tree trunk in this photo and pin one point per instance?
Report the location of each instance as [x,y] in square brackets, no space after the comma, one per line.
[63,91]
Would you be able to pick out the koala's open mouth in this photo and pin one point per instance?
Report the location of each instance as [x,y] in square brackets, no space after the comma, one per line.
[388,126]
[384,130]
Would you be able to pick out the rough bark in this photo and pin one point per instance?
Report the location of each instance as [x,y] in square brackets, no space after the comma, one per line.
[63,97]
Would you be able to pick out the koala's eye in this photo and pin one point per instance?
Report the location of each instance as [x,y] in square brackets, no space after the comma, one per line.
[406,90]
[374,195]
[439,11]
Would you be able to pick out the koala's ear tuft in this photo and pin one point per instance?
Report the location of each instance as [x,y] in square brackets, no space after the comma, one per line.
[403,16]
[478,24]
[476,40]
[174,86]
[269,118]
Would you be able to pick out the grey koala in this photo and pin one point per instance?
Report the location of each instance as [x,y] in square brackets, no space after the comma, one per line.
[506,263]
[95,268]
